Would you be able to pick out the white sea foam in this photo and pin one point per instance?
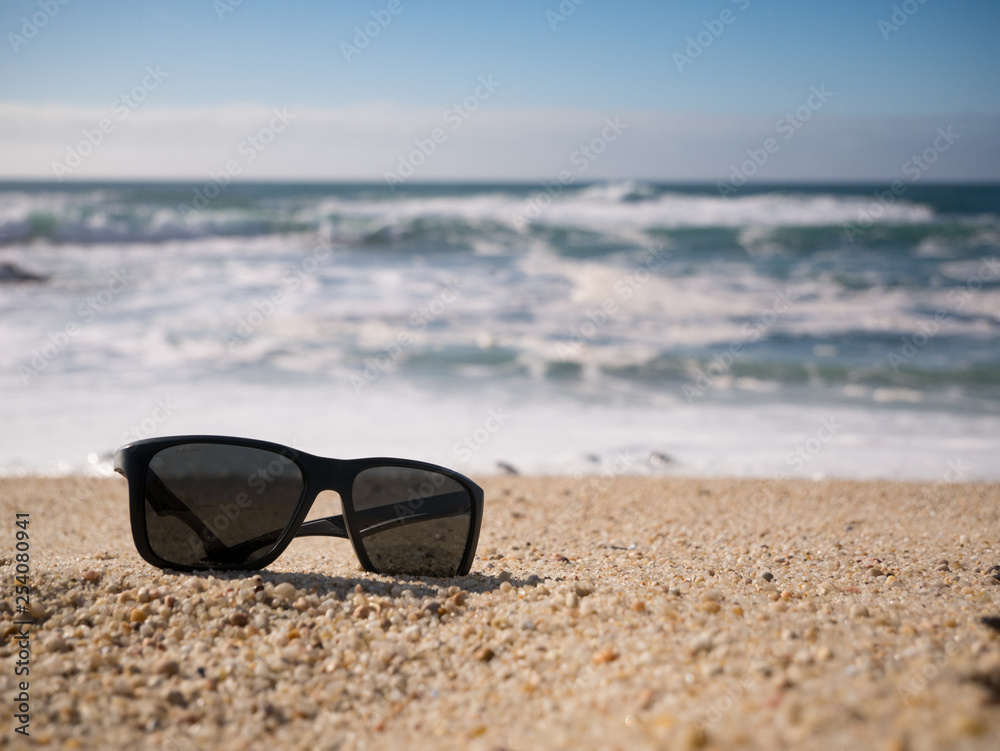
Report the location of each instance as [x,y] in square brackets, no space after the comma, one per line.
[186,297]
[568,319]
[604,208]
[545,432]
[616,208]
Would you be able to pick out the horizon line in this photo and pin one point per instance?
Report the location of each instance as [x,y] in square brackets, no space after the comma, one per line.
[374,182]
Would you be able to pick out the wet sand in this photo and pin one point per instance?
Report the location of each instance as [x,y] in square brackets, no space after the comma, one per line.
[601,613]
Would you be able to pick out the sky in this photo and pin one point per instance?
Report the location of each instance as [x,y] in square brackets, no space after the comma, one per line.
[512,90]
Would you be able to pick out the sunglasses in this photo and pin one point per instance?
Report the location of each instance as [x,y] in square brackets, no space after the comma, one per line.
[210,502]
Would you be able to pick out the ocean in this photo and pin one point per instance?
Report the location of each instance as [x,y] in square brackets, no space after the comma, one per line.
[578,329]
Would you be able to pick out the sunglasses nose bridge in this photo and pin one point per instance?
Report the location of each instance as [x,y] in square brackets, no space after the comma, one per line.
[323,475]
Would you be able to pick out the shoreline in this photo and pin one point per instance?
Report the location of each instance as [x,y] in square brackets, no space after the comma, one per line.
[644,612]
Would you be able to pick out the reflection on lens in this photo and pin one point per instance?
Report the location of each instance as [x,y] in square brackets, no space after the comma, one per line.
[211,504]
[412,521]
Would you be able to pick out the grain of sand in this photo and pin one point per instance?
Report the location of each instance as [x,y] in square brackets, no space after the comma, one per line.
[619,613]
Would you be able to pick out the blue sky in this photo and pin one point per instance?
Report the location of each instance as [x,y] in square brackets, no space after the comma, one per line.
[556,85]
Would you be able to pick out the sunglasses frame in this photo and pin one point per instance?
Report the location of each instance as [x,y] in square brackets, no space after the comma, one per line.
[318,474]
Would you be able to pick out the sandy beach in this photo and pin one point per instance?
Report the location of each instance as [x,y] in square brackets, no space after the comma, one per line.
[620,613]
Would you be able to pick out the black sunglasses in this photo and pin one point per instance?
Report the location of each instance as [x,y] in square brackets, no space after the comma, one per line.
[201,502]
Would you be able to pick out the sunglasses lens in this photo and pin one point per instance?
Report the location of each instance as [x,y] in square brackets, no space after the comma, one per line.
[412,521]
[215,505]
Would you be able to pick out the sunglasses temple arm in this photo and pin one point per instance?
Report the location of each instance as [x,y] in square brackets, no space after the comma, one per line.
[387,516]
[331,526]
[390,516]
[166,503]
[374,520]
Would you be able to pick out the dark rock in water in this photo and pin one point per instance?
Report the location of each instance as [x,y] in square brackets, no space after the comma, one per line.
[507,469]
[12,274]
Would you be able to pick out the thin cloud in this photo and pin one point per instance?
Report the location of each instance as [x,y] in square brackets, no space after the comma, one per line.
[365,142]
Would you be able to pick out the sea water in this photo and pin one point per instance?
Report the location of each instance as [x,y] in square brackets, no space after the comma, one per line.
[607,328]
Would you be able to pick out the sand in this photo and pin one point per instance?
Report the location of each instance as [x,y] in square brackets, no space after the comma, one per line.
[621,613]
